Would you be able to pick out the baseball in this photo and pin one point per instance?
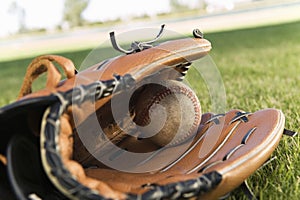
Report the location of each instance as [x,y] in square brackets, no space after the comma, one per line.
[167,113]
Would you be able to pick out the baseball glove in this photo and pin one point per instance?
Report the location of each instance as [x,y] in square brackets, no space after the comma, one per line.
[64,141]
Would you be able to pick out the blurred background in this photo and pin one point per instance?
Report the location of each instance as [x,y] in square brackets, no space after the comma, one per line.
[29,26]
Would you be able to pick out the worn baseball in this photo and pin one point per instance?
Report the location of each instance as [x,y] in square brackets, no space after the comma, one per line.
[167,113]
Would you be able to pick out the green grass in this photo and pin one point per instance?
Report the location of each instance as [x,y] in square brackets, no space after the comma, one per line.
[260,68]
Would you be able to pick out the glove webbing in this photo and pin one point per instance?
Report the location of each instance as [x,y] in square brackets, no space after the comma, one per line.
[64,178]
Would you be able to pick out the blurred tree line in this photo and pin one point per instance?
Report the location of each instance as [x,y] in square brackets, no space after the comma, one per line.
[72,14]
[73,9]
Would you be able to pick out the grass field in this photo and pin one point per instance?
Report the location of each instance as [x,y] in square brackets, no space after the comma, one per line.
[260,68]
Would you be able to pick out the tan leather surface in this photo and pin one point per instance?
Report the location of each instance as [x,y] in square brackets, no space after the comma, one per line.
[66,144]
[3,159]
[139,65]
[150,60]
[43,64]
[218,141]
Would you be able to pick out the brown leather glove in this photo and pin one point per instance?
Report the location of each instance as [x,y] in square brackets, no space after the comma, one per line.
[225,150]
